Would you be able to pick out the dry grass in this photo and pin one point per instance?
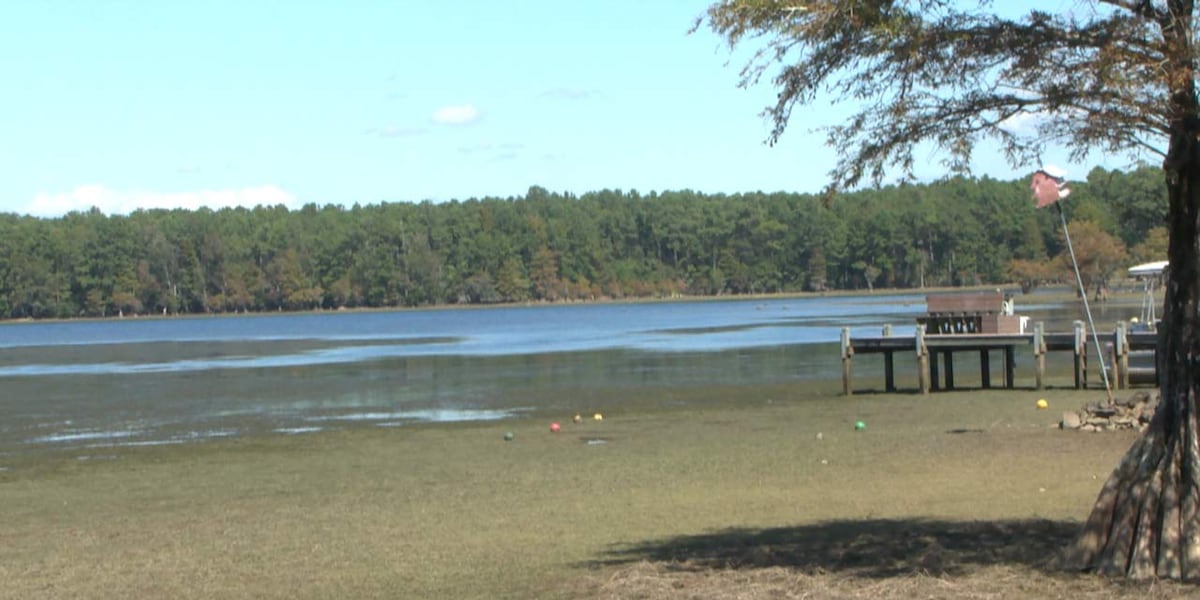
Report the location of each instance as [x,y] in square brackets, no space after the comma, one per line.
[963,495]
[652,581]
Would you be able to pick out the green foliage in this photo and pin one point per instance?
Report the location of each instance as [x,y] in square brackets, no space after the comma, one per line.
[549,247]
[1099,254]
[1152,247]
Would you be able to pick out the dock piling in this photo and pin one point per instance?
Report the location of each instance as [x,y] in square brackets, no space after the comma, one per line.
[1080,355]
[1039,353]
[923,370]
[889,364]
[847,355]
[985,369]
[1120,356]
[1010,367]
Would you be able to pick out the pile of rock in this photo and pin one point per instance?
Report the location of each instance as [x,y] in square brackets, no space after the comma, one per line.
[1133,412]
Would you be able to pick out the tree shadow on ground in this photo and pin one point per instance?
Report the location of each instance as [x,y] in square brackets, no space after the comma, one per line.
[864,548]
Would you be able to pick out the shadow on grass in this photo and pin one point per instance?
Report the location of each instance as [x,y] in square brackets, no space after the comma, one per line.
[864,548]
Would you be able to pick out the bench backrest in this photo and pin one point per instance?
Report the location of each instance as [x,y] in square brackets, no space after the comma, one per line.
[965,304]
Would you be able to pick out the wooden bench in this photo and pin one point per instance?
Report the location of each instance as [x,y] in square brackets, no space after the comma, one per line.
[967,314]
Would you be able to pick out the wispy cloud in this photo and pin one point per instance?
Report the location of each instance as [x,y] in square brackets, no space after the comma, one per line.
[456,115]
[112,202]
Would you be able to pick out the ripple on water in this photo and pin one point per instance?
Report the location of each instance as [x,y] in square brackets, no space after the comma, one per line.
[95,438]
[297,430]
[439,415]
[84,435]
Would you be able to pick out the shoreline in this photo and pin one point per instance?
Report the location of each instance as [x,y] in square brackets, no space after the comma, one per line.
[1062,293]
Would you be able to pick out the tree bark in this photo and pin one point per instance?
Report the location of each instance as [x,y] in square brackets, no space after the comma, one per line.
[1146,521]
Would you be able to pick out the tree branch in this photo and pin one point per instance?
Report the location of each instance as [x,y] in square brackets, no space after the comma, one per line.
[1140,8]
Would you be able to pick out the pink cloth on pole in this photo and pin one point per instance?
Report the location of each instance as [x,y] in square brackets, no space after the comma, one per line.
[1046,189]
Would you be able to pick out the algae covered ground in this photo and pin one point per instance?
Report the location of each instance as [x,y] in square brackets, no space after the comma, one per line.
[772,493]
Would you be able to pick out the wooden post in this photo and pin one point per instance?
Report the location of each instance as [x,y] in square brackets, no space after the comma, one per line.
[1010,367]
[889,364]
[949,369]
[923,367]
[1080,356]
[1039,353]
[985,369]
[889,371]
[1083,351]
[935,373]
[1120,357]
[847,356]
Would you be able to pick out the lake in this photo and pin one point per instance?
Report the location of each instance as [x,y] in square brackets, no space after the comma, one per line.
[142,381]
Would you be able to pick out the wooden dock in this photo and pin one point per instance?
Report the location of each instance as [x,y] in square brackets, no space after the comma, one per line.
[935,354]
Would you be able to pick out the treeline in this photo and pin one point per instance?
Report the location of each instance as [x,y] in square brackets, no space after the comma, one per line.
[560,247]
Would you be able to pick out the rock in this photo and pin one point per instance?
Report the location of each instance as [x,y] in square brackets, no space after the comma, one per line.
[1070,420]
[1133,412]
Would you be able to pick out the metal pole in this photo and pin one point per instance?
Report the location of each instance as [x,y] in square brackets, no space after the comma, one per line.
[1086,308]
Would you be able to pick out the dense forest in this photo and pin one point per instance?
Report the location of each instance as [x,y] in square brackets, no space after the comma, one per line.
[550,247]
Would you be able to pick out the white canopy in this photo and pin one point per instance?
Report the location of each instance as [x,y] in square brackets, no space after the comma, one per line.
[1148,269]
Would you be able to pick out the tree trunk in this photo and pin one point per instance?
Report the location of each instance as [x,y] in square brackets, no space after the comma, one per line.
[1146,521]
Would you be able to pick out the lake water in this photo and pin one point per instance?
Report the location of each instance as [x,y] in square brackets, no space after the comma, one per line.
[134,382]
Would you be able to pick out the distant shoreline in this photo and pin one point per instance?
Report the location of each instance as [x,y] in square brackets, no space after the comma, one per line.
[1052,293]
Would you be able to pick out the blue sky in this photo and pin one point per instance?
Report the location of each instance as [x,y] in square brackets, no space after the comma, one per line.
[142,104]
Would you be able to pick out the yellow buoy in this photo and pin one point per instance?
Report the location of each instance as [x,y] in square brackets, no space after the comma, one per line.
[1042,404]
[598,417]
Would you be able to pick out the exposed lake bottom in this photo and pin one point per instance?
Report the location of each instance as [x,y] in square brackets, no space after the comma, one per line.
[171,407]
[92,386]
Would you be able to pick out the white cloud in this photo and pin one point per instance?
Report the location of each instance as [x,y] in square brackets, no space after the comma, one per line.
[112,202]
[456,115]
[1024,122]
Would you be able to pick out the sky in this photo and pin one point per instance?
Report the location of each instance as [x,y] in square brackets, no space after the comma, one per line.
[123,105]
